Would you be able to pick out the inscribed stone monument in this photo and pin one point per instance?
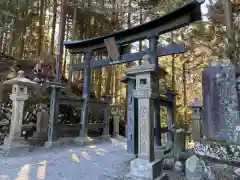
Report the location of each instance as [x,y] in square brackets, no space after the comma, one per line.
[220,102]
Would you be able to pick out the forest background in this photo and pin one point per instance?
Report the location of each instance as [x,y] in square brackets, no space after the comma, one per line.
[30,31]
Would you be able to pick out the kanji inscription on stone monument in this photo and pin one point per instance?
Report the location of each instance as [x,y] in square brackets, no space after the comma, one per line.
[143,144]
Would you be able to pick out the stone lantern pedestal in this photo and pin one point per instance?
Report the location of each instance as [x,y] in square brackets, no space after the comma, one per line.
[145,167]
[14,143]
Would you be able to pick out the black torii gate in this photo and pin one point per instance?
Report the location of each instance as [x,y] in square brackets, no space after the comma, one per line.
[183,16]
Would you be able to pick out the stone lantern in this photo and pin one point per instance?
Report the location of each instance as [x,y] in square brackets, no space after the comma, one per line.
[20,85]
[196,108]
[145,166]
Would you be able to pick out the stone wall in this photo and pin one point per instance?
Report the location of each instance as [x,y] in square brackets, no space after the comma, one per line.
[222,151]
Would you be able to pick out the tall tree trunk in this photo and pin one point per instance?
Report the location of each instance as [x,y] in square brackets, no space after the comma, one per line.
[71,56]
[108,88]
[100,70]
[22,41]
[4,41]
[65,53]
[184,90]
[129,13]
[60,43]
[141,21]
[40,29]
[227,6]
[12,37]
[174,81]
[1,39]
[23,15]
[54,19]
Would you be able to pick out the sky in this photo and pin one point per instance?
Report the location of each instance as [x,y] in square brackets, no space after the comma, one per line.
[204,9]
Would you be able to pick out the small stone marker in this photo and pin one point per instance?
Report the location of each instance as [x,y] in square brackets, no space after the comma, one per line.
[41,134]
[116,118]
[196,108]
[42,121]
[178,166]
[193,169]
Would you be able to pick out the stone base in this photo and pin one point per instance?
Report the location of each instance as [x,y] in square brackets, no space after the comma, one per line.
[129,157]
[50,144]
[106,137]
[159,152]
[223,151]
[40,134]
[83,141]
[38,138]
[141,169]
[15,146]
[116,136]
[164,176]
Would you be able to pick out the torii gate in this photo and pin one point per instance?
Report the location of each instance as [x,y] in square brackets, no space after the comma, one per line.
[181,17]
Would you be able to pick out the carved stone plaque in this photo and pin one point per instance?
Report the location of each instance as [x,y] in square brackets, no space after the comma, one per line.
[144,131]
[220,102]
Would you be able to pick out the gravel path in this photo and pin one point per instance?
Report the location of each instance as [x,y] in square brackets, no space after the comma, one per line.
[102,161]
[97,162]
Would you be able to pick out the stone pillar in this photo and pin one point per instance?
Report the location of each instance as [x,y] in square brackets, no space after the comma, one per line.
[107,100]
[145,167]
[115,112]
[14,143]
[53,119]
[132,115]
[196,108]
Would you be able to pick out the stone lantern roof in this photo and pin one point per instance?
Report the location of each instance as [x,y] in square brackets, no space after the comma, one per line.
[21,80]
[195,104]
[146,67]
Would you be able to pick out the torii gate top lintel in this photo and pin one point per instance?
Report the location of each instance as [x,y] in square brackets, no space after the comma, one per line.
[185,15]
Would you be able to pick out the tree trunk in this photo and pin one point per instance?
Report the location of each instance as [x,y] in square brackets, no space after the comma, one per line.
[1,39]
[53,27]
[60,43]
[184,90]
[227,6]
[108,88]
[141,21]
[71,56]
[12,37]
[40,29]
[65,53]
[174,81]
[22,41]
